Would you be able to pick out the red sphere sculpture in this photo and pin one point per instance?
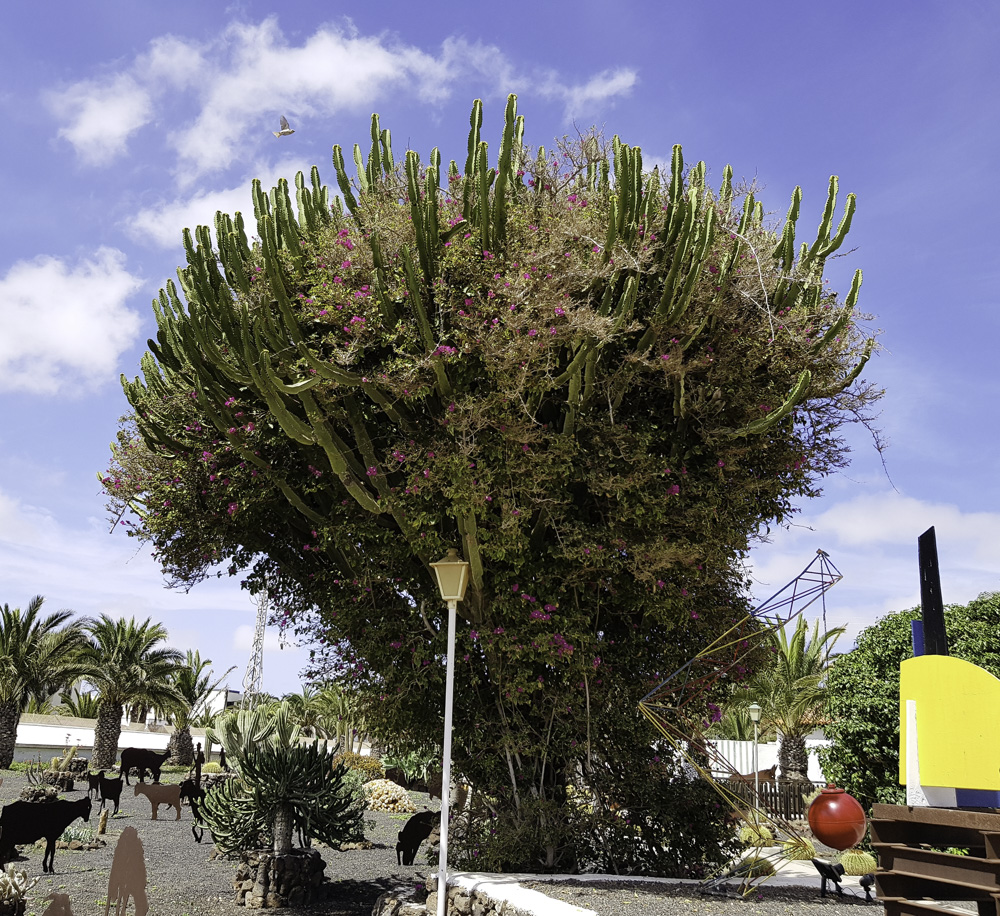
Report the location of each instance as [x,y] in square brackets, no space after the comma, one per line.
[836,818]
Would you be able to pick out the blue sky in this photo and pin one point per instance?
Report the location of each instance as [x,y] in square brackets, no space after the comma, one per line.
[124,122]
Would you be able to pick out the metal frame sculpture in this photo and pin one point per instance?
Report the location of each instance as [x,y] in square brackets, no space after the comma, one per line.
[676,705]
[255,668]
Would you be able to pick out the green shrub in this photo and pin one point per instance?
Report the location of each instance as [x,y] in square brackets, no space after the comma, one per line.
[212,767]
[281,786]
[368,767]
[416,765]
[77,832]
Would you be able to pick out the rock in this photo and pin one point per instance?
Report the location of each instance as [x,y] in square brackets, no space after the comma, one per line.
[387,905]
[462,904]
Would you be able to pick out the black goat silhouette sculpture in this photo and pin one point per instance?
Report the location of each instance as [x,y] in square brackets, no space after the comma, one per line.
[94,783]
[142,759]
[414,832]
[111,790]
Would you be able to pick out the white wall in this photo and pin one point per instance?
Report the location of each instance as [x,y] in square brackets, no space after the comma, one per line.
[49,736]
[739,755]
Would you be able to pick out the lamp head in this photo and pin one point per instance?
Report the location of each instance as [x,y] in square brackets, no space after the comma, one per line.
[452,574]
[754,711]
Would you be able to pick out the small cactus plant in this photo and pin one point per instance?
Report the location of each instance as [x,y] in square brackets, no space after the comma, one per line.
[14,886]
[756,835]
[857,862]
[753,867]
[799,849]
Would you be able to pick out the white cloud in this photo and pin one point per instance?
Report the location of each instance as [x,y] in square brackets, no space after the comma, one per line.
[584,99]
[872,540]
[63,324]
[237,86]
[162,222]
[93,572]
[260,72]
[101,116]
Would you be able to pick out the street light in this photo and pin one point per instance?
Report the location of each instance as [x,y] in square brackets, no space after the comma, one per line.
[452,577]
[754,711]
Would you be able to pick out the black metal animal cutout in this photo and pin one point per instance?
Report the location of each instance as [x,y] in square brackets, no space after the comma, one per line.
[414,832]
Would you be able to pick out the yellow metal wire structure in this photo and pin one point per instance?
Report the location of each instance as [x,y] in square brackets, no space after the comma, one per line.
[677,709]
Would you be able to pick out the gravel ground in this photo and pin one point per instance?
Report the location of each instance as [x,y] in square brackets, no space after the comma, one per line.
[184,880]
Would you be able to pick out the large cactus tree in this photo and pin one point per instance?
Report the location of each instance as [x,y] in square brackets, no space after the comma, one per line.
[599,382]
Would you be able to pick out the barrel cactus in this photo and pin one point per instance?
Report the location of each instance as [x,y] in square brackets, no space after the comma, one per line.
[857,862]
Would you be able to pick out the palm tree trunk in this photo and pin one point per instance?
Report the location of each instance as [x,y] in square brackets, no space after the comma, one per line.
[106,735]
[793,758]
[10,716]
[181,747]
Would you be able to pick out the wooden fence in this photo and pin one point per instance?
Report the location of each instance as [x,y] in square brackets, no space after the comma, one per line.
[782,798]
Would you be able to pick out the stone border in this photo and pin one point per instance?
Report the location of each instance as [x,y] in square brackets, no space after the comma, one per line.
[472,894]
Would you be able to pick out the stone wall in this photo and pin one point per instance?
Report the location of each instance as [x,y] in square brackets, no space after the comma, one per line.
[264,880]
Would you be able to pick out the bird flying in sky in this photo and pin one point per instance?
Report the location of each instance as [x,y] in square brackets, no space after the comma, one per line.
[285,129]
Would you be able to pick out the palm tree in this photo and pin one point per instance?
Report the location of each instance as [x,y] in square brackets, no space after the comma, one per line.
[125,664]
[195,686]
[38,705]
[78,704]
[308,712]
[35,653]
[791,692]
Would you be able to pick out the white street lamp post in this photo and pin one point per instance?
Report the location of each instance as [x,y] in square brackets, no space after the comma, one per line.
[452,576]
[754,711]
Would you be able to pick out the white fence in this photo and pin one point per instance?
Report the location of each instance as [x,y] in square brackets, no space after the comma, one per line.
[739,755]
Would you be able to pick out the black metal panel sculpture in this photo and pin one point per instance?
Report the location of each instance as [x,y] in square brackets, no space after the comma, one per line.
[935,637]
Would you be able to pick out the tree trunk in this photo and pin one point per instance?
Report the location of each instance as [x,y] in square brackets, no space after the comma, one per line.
[181,747]
[106,735]
[283,830]
[793,758]
[10,715]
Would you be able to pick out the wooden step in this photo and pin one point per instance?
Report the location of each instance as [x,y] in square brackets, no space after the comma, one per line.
[899,907]
[917,886]
[971,871]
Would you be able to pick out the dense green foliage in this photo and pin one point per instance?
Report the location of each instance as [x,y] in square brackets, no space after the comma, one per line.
[863,694]
[598,382]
